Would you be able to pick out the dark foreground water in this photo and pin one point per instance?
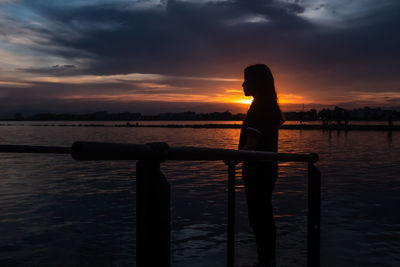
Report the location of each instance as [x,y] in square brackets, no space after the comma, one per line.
[55,211]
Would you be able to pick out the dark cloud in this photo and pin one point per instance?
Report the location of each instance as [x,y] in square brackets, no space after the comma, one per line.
[181,38]
[185,38]
[57,70]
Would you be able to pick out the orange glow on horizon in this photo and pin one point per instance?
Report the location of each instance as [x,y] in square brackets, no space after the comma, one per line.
[229,96]
[169,97]
[282,99]
[242,100]
[290,99]
[155,87]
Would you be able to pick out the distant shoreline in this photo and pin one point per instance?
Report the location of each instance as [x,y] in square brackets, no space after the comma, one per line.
[226,126]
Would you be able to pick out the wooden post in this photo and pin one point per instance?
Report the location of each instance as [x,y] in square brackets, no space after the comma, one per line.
[314,210]
[231,216]
[153,214]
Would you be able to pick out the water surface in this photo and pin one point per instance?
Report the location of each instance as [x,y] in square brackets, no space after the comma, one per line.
[59,212]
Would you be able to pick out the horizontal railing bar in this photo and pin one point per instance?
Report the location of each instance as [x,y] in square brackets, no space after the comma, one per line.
[116,151]
[34,149]
[199,153]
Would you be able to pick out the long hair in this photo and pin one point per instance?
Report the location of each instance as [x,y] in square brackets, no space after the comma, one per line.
[259,78]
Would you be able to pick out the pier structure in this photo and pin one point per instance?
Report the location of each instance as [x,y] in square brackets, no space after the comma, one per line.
[153,190]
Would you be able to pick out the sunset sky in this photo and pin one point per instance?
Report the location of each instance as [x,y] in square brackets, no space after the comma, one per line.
[171,56]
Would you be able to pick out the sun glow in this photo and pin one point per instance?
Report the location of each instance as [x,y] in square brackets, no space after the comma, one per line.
[244,100]
[237,96]
[234,96]
[284,99]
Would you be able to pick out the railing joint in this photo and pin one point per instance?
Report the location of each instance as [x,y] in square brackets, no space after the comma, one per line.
[160,149]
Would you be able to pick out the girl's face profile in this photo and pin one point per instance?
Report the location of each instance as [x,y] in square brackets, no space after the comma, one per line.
[246,90]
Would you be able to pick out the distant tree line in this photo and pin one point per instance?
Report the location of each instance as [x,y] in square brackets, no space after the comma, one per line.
[337,114]
[128,116]
[97,116]
[360,114]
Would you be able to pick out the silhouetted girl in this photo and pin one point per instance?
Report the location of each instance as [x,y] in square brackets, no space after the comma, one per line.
[260,132]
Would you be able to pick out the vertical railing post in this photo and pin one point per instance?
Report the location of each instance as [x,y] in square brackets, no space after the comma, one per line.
[152,215]
[313,221]
[231,215]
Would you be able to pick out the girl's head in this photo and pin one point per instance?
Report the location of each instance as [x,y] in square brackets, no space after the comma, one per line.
[259,82]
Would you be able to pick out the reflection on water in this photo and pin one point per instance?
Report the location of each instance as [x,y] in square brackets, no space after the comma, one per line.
[59,212]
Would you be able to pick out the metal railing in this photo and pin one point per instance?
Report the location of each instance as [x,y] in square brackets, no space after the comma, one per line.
[153,193]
